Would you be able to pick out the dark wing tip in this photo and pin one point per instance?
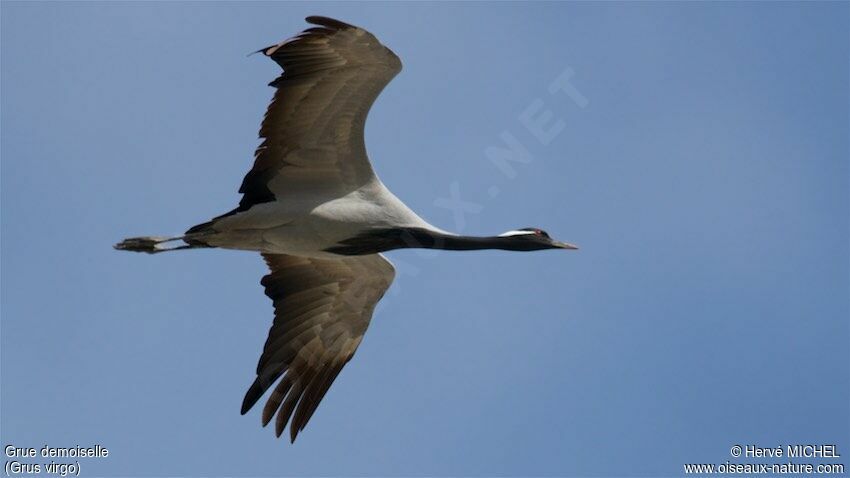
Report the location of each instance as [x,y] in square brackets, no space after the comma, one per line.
[251,396]
[263,50]
[328,22]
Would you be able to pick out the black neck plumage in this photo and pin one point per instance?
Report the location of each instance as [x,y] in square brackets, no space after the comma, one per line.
[381,240]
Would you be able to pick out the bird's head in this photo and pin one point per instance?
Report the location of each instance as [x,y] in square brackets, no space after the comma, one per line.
[533,239]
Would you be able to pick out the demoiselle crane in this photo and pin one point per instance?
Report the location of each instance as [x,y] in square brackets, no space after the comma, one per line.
[320,217]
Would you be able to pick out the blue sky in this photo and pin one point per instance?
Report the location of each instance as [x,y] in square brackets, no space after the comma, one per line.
[700,161]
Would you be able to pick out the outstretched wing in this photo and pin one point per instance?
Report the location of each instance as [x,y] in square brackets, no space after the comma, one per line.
[313,129]
[322,309]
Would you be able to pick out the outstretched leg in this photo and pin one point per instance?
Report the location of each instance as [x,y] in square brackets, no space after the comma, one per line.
[154,244]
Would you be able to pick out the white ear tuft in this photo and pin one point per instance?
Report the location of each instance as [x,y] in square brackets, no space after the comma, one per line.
[516,233]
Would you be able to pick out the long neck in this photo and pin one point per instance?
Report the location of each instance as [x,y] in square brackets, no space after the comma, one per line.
[381,240]
[438,240]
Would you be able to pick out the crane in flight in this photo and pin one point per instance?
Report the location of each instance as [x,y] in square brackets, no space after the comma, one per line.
[313,207]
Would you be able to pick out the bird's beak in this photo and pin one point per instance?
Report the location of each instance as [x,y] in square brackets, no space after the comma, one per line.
[565,245]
